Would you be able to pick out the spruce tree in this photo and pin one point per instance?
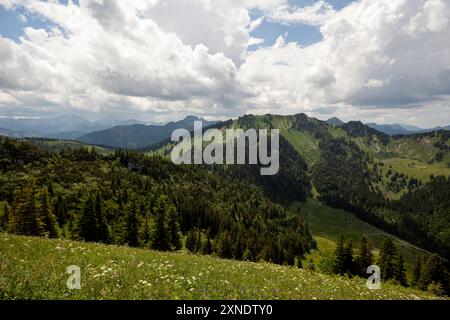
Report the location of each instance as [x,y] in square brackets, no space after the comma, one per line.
[364,258]
[160,234]
[417,272]
[87,225]
[348,258]
[198,241]
[434,271]
[400,272]
[102,225]
[27,216]
[339,266]
[48,220]
[387,260]
[60,210]
[173,225]
[132,222]
[207,246]
[224,245]
[191,241]
[4,217]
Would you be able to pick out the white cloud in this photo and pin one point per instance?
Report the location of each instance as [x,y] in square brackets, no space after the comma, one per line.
[316,14]
[385,58]
[367,60]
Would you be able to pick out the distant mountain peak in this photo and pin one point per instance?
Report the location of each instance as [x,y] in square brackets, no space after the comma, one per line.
[335,121]
[191,118]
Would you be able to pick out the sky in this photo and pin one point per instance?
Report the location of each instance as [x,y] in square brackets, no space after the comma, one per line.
[384,61]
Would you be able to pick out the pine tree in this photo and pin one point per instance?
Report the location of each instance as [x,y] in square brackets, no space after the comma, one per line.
[132,222]
[198,241]
[87,225]
[417,272]
[224,245]
[400,272]
[387,260]
[4,217]
[160,234]
[339,266]
[50,226]
[434,272]
[60,210]
[27,217]
[207,246]
[173,225]
[348,258]
[102,225]
[364,258]
[191,241]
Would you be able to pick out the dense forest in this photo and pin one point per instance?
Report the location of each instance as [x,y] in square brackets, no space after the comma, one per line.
[130,199]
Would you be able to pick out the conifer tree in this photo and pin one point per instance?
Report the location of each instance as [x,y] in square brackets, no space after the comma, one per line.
[174,227]
[160,234]
[434,271]
[191,241]
[400,272]
[417,272]
[132,222]
[27,216]
[348,258]
[60,210]
[224,245]
[198,241]
[87,225]
[102,225]
[339,266]
[144,232]
[207,246]
[387,260]
[364,258]
[48,220]
[4,217]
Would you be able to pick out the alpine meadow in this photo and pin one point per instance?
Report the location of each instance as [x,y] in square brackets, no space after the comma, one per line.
[224,150]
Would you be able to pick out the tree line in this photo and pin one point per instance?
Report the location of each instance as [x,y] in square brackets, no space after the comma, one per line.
[429,273]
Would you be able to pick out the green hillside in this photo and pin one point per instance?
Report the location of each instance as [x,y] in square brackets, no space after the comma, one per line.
[35,268]
[328,224]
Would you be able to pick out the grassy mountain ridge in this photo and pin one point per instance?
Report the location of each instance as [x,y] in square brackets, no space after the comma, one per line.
[359,169]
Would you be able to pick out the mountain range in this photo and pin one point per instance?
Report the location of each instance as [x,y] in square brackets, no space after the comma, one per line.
[61,127]
[390,129]
[138,136]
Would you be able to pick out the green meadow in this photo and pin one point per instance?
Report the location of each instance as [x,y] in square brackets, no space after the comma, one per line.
[36,268]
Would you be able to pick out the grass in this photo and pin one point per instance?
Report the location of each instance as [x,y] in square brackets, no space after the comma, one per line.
[304,143]
[328,224]
[416,169]
[35,268]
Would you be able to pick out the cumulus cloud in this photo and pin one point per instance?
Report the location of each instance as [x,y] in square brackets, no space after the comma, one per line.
[388,55]
[385,58]
[103,51]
